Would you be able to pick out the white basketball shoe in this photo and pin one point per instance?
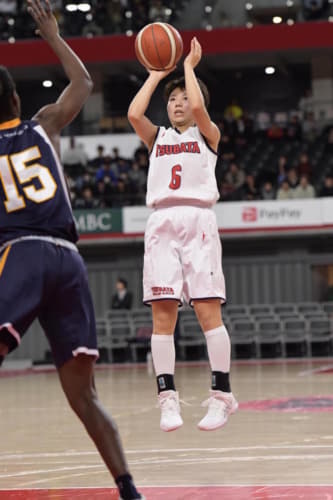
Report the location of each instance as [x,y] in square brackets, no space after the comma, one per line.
[220,406]
[170,411]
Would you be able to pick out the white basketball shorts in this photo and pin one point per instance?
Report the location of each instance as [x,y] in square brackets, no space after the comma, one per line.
[183,255]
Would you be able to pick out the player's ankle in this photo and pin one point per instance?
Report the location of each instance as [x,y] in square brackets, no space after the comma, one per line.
[126,487]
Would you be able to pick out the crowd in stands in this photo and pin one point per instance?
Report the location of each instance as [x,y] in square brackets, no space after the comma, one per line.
[89,18]
[258,160]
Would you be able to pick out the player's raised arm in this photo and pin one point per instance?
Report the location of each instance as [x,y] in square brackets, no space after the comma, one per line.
[144,128]
[199,111]
[55,117]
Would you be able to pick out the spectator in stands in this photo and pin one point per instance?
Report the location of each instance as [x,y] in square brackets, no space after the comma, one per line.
[292,178]
[284,192]
[123,298]
[294,129]
[226,147]
[106,171]
[282,169]
[122,195]
[248,190]
[304,189]
[306,103]
[137,179]
[275,132]
[329,143]
[267,191]
[103,193]
[327,189]
[74,158]
[315,9]
[98,161]
[233,110]
[235,177]
[157,12]
[114,18]
[8,7]
[310,127]
[141,151]
[304,166]
[86,200]
[263,122]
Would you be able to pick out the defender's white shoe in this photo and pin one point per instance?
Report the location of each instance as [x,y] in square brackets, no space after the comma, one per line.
[220,406]
[170,411]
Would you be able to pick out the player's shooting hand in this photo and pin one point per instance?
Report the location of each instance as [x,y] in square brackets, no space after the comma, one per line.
[194,56]
[47,26]
[159,75]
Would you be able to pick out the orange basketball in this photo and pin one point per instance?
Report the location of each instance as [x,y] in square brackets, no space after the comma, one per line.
[158,46]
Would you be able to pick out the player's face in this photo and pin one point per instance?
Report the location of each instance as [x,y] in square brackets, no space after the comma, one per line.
[178,108]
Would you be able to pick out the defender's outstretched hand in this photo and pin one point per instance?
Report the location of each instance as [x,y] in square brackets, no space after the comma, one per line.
[44,18]
[194,56]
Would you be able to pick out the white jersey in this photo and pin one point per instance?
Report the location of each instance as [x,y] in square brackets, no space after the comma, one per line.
[181,169]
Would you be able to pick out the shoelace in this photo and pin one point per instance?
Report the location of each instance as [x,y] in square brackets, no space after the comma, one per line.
[214,404]
[165,402]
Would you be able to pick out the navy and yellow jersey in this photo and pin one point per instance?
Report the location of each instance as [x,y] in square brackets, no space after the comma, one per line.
[34,199]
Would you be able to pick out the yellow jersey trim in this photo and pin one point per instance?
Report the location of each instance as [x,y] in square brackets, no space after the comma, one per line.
[11,124]
[4,259]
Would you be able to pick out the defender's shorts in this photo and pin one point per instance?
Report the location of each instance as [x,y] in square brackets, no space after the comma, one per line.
[183,255]
[43,280]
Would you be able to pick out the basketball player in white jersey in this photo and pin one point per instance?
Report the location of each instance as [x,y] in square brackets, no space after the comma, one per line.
[182,246]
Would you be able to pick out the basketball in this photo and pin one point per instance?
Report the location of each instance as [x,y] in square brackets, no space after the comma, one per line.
[158,46]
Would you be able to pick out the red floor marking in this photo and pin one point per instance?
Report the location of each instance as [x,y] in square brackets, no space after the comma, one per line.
[181,493]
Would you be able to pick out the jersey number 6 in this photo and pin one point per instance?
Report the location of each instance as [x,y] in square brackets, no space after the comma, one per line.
[25,174]
[176,179]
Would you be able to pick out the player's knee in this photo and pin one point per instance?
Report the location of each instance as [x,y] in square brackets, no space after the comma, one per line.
[81,400]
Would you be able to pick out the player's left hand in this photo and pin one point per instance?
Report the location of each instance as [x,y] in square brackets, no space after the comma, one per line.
[42,14]
[194,56]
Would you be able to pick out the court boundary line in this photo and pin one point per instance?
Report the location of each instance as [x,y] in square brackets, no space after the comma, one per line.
[44,369]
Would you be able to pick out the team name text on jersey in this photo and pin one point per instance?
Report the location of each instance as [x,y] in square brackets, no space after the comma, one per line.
[176,149]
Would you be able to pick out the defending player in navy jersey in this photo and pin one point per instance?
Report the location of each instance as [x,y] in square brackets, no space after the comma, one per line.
[183,256]
[42,274]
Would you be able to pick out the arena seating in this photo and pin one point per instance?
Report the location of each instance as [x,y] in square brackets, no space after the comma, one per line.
[256,331]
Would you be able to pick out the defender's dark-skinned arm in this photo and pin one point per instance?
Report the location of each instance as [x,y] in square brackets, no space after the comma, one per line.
[54,117]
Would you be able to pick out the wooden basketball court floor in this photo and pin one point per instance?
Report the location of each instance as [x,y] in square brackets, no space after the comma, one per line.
[279,445]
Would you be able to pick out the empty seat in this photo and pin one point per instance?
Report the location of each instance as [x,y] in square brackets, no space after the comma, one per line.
[142,313]
[321,334]
[327,307]
[270,333]
[103,333]
[257,309]
[243,333]
[187,314]
[296,335]
[140,340]
[264,317]
[307,307]
[120,334]
[191,336]
[284,308]
[116,314]
[236,310]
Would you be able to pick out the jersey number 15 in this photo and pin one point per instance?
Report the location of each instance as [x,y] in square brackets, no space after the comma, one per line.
[25,174]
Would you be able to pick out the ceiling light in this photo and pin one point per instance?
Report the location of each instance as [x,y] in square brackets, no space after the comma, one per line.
[84,7]
[47,84]
[269,70]
[277,19]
